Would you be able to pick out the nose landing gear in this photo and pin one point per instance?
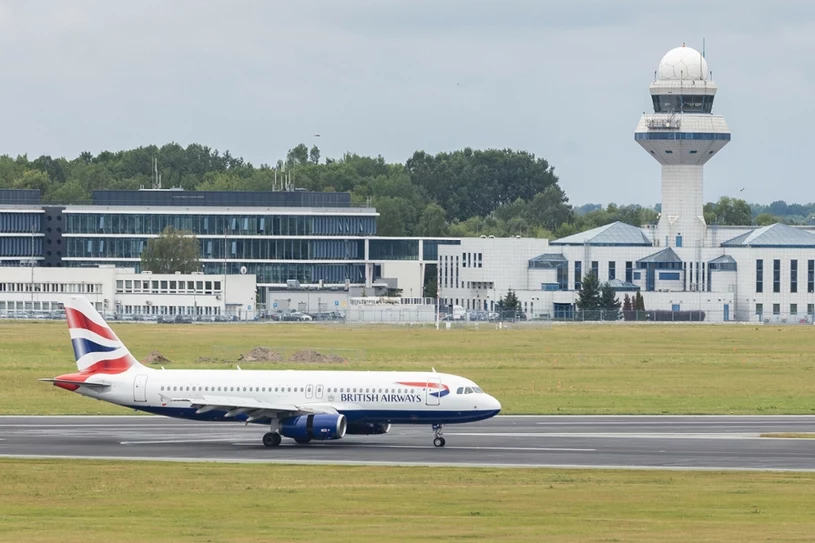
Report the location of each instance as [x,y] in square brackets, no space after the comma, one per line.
[439,440]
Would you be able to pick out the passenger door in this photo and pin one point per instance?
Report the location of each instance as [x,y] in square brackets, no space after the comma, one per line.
[432,391]
[140,388]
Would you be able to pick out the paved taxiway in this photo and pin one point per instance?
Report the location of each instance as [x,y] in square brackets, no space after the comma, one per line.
[650,442]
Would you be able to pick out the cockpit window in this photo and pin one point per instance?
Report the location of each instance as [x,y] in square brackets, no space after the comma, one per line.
[478,390]
[460,390]
[468,390]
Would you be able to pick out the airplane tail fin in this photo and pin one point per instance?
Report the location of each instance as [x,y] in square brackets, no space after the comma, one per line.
[96,347]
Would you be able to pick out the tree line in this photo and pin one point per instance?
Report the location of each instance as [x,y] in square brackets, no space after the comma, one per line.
[463,193]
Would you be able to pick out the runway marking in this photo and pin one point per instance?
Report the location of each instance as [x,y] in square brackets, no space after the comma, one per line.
[621,435]
[395,463]
[361,444]
[171,441]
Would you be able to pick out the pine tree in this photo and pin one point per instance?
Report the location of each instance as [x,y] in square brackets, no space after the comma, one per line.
[627,303]
[639,303]
[588,297]
[609,303]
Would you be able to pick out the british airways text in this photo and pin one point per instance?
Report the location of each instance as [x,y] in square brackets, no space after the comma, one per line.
[387,398]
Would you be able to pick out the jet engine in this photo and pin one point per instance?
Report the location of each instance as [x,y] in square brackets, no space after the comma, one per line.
[304,428]
[368,428]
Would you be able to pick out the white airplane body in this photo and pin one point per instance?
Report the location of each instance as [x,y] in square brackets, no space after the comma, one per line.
[302,405]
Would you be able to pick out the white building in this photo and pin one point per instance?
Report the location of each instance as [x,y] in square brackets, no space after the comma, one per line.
[123,293]
[743,273]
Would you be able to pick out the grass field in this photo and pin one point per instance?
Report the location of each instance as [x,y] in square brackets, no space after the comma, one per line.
[573,369]
[80,501]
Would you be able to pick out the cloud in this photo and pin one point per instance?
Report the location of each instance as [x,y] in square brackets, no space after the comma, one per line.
[567,81]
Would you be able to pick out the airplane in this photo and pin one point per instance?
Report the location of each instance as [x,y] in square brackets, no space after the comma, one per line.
[303,405]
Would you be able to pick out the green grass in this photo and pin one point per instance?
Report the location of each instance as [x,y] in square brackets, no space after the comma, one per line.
[81,501]
[571,369]
[789,435]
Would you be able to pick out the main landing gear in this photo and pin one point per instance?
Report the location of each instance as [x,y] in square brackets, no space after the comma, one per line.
[439,440]
[271,439]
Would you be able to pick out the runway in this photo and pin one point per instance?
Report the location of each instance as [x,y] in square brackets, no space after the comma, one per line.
[640,442]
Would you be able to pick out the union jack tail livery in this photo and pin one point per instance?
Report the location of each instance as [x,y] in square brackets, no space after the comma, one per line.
[96,347]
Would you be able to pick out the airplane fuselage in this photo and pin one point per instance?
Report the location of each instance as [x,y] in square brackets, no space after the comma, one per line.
[370,396]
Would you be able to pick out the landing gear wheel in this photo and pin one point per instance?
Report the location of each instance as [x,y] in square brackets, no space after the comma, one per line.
[271,439]
[302,440]
[439,440]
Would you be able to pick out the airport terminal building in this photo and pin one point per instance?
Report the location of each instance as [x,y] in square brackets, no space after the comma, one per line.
[297,244]
[317,251]
[743,273]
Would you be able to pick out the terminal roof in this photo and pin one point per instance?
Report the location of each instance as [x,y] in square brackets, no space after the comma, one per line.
[616,233]
[774,235]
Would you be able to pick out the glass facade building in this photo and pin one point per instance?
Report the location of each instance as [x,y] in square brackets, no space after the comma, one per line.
[313,238]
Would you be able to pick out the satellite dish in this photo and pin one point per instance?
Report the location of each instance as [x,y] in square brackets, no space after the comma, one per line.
[243,270]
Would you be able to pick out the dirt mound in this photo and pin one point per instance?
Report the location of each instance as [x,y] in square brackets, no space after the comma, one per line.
[261,354]
[155,358]
[315,357]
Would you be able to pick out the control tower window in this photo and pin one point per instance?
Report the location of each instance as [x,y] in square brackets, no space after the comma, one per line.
[674,103]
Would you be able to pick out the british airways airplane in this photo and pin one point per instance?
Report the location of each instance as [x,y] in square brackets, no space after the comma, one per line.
[301,405]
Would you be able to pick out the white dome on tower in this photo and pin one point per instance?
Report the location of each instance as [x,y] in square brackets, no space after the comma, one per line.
[682,64]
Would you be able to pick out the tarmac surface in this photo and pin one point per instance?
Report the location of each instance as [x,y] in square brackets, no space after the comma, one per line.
[639,442]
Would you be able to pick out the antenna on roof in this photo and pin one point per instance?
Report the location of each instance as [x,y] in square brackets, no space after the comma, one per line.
[703,47]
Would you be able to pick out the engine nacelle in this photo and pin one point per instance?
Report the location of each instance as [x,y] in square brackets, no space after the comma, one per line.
[320,427]
[368,428]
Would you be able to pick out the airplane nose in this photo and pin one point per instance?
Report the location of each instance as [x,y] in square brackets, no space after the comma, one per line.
[494,403]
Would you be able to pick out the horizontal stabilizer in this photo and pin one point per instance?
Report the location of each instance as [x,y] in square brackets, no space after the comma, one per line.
[89,384]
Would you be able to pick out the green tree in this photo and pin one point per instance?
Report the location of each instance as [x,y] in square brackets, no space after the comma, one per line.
[766,219]
[627,306]
[509,302]
[588,297]
[173,251]
[550,208]
[432,223]
[639,303]
[314,155]
[728,211]
[298,156]
[609,303]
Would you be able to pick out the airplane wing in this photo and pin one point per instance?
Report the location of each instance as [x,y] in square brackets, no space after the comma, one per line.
[89,384]
[253,408]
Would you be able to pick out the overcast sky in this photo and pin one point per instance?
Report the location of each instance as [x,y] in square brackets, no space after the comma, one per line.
[567,81]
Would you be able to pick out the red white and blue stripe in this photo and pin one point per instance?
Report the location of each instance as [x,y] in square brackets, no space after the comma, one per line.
[96,347]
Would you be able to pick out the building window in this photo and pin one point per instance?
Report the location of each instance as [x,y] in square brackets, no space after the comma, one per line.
[759,275]
[811,276]
[629,266]
[578,275]
[759,309]
[811,310]
[793,309]
[595,268]
[669,276]
[793,276]
[480,259]
[776,309]
[612,270]
[776,275]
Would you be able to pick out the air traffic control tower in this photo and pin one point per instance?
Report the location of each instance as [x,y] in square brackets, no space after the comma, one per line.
[682,134]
